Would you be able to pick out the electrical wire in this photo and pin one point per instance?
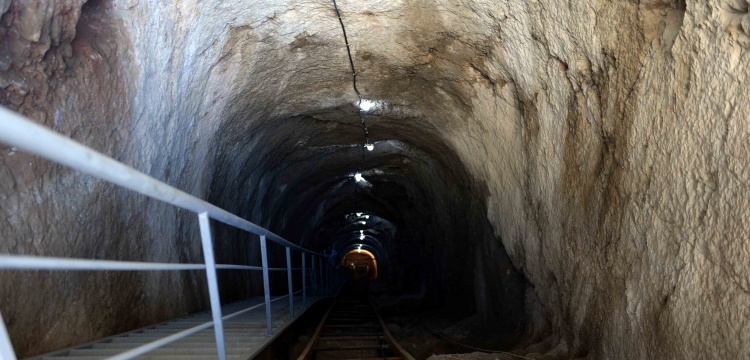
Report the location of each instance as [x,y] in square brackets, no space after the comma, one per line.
[359,95]
[354,78]
[472,347]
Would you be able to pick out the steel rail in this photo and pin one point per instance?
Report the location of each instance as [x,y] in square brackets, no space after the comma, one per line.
[390,339]
[307,352]
[353,318]
[20,132]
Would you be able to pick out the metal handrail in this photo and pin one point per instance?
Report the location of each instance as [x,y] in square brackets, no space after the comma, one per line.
[17,131]
[26,262]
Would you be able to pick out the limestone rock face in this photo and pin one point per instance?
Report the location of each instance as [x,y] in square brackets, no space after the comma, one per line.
[576,171]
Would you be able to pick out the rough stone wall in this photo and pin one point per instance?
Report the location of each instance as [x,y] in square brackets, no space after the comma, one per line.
[86,70]
[618,133]
[610,136]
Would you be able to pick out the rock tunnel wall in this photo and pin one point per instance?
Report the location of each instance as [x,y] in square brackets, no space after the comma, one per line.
[620,151]
[605,143]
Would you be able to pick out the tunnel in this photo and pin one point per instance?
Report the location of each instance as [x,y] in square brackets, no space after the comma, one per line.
[571,174]
[363,263]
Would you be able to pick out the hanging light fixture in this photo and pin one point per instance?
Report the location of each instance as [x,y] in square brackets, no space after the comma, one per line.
[366,105]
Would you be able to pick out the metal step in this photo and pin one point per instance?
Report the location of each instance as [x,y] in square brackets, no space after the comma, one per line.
[244,335]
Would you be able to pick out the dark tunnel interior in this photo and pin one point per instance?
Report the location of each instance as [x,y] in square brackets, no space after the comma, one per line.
[569,176]
[284,151]
[425,213]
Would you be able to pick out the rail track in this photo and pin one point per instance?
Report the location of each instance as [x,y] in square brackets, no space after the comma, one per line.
[352,329]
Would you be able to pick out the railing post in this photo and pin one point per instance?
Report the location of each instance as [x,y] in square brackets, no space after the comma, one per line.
[6,347]
[213,284]
[322,279]
[314,277]
[304,281]
[289,281]
[266,284]
[327,278]
[322,276]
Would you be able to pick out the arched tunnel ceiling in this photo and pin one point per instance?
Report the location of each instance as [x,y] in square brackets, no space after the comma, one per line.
[312,160]
[307,140]
[307,185]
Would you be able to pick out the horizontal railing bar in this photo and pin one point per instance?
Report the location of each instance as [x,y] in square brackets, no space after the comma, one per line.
[247,267]
[237,267]
[24,262]
[16,130]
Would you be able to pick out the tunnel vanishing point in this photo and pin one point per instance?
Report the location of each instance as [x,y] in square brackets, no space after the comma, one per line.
[576,172]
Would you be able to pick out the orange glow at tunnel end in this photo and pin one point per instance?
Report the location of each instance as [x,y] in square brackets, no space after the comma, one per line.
[361,258]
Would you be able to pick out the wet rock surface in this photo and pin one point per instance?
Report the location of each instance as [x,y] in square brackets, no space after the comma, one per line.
[576,171]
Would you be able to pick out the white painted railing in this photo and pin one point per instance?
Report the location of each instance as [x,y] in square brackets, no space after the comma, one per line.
[17,131]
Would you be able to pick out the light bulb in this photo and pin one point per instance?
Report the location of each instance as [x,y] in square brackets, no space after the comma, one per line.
[359,214]
[363,222]
[367,216]
[365,105]
[369,146]
[361,237]
[358,177]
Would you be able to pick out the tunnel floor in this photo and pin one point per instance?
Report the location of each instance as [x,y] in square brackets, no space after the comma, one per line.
[426,333]
[436,333]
